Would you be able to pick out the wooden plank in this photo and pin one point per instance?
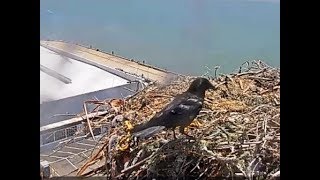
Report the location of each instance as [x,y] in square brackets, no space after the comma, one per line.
[70,121]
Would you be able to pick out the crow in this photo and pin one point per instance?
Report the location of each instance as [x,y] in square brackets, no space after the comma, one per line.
[179,113]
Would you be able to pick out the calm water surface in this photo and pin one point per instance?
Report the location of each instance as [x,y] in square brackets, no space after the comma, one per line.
[179,35]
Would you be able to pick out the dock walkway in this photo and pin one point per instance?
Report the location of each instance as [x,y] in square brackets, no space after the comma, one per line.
[109,60]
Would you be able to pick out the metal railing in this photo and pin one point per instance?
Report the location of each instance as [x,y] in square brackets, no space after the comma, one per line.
[57,135]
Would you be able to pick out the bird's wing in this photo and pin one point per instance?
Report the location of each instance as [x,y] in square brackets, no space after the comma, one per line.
[184,105]
[187,105]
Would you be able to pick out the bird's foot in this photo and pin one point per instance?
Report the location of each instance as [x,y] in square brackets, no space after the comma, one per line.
[183,131]
[188,136]
[174,135]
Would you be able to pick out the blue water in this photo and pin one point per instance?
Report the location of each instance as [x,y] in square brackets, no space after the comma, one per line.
[179,35]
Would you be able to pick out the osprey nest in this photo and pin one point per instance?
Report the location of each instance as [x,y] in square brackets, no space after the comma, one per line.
[237,133]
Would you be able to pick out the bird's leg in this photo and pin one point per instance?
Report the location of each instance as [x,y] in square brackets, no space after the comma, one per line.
[135,141]
[167,134]
[174,133]
[181,130]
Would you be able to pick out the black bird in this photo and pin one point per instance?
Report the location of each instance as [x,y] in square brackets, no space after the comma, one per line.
[180,112]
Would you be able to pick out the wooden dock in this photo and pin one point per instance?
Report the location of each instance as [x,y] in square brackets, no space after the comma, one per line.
[111,61]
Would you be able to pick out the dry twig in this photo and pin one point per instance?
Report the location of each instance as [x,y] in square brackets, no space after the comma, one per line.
[238,134]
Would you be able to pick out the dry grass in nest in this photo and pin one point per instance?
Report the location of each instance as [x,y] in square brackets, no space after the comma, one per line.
[237,131]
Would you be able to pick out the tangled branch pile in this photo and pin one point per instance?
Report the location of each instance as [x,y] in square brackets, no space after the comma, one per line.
[237,133]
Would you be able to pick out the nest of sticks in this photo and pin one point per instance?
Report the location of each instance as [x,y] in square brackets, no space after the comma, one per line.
[237,133]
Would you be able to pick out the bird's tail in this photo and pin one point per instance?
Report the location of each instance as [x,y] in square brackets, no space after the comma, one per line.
[139,127]
[148,132]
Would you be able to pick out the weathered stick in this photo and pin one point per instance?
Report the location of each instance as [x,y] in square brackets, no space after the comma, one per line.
[88,122]
[134,166]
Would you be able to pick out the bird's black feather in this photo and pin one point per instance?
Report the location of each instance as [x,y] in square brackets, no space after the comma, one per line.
[182,110]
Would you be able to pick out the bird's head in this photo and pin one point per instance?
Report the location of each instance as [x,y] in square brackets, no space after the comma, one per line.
[200,85]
